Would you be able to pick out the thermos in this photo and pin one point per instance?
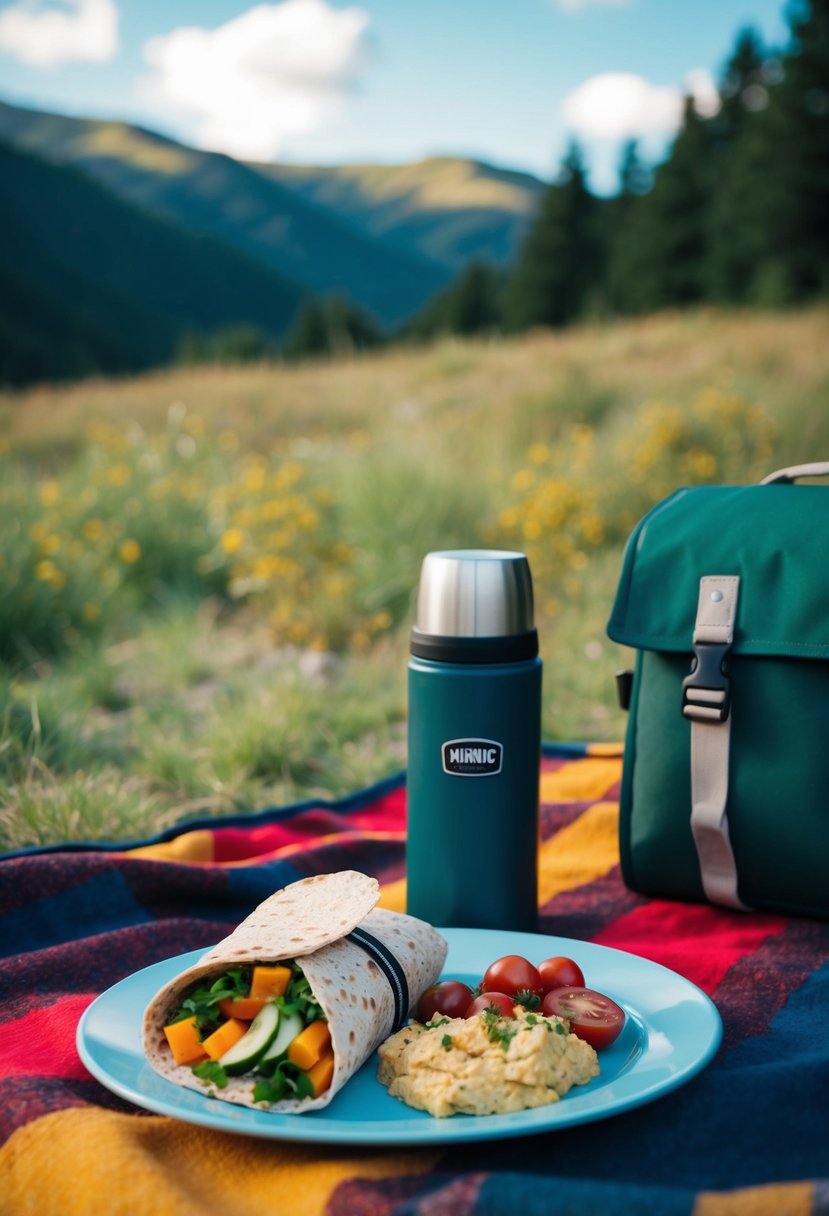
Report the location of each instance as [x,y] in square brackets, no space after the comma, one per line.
[474,743]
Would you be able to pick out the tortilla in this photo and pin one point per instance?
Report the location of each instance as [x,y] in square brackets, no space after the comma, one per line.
[309,921]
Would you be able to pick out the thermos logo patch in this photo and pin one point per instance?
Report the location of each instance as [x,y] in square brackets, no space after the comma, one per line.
[472,757]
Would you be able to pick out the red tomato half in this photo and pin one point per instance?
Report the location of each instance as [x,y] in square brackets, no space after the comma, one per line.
[501,1002]
[512,974]
[446,999]
[593,1016]
[560,972]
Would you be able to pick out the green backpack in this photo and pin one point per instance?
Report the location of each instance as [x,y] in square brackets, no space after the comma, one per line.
[724,595]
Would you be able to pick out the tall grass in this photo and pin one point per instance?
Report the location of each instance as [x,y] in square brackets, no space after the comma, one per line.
[206,575]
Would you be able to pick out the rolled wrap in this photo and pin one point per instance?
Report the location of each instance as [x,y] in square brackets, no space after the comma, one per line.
[362,992]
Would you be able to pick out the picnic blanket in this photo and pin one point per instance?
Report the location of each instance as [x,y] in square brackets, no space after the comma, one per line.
[748,1134]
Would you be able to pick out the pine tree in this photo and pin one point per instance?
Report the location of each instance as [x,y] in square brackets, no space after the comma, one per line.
[330,326]
[635,181]
[799,220]
[659,262]
[559,262]
[472,304]
[738,253]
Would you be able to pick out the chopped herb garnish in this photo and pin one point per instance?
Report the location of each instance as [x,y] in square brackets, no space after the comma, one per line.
[435,1022]
[498,1029]
[446,1042]
[531,1020]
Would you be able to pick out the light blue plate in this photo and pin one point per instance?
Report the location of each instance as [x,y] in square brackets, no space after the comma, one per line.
[671,1033]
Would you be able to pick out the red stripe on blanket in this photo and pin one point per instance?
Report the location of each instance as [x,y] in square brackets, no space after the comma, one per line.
[388,814]
[42,1043]
[701,943]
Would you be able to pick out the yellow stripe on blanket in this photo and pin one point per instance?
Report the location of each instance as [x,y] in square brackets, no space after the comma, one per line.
[189,846]
[775,1199]
[583,851]
[582,780]
[87,1160]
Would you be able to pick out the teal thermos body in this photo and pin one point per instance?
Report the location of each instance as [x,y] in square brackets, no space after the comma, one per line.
[474,743]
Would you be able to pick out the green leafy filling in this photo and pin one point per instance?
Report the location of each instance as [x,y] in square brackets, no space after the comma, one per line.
[277,1079]
[211,1072]
[288,1081]
[203,1001]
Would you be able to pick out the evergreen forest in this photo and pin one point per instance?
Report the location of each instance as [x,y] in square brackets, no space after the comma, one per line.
[736,215]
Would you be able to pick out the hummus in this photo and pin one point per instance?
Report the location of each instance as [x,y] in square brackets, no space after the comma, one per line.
[485,1065]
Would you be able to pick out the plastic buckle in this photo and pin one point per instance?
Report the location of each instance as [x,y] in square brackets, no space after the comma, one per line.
[706,692]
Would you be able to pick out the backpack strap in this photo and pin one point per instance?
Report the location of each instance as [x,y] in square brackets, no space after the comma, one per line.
[706,702]
[819,468]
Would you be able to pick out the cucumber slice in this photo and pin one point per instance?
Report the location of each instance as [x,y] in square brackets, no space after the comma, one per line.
[245,1054]
[290,1025]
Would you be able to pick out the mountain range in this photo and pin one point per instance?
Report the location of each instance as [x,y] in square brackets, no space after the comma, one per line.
[123,240]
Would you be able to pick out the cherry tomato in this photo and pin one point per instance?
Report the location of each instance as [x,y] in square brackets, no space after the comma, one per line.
[593,1016]
[560,972]
[514,975]
[501,1002]
[446,998]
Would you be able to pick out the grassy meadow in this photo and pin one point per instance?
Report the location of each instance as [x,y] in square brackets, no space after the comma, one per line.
[207,573]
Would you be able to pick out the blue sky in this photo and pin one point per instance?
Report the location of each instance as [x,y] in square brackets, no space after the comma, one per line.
[331,81]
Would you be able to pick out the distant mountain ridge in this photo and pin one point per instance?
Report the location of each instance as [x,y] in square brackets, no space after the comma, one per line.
[452,209]
[91,283]
[388,237]
[117,243]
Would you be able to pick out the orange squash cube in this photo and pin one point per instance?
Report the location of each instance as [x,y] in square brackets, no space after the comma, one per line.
[322,1072]
[183,1038]
[243,1007]
[309,1045]
[222,1040]
[269,982]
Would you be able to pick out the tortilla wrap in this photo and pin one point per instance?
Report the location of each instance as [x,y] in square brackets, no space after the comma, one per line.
[309,921]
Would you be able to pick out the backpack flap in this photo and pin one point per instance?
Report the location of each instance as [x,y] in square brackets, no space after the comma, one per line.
[724,594]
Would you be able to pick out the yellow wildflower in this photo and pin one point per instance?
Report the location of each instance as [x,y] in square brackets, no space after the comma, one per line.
[232,540]
[47,572]
[49,493]
[523,479]
[129,551]
[93,529]
[119,474]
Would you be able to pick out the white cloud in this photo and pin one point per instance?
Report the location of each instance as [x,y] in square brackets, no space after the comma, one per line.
[700,85]
[45,35]
[621,105]
[273,73]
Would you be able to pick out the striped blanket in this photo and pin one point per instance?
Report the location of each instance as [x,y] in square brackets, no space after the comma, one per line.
[749,1134]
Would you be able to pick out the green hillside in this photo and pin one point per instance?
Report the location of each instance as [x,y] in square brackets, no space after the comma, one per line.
[92,283]
[212,194]
[451,209]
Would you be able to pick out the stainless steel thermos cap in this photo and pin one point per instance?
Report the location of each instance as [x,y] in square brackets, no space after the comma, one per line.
[475,593]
